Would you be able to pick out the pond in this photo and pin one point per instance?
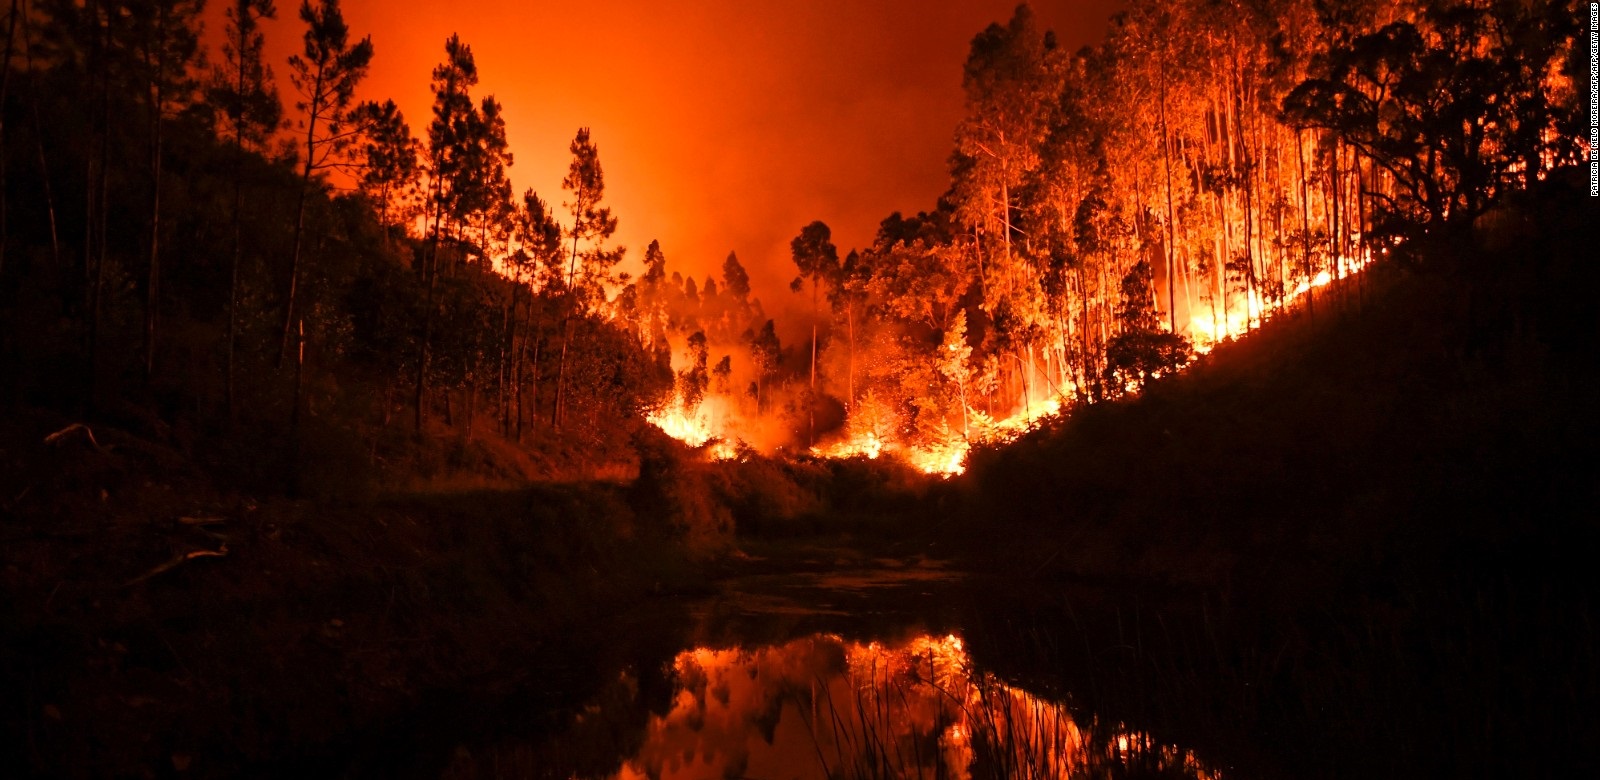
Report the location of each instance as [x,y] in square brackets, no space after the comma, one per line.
[840,673]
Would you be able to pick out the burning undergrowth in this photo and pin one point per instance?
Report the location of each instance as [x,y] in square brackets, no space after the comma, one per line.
[705,499]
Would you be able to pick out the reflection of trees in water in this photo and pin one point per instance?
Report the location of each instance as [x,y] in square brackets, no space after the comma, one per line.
[822,707]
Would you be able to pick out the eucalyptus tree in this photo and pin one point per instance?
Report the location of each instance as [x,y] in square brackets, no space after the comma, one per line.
[817,260]
[765,352]
[1450,103]
[735,280]
[1010,80]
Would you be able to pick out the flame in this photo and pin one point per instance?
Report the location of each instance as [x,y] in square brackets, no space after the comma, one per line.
[1206,333]
[700,427]
[869,445]
[946,456]
[675,422]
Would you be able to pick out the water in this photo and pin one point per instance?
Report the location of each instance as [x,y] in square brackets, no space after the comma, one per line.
[857,673]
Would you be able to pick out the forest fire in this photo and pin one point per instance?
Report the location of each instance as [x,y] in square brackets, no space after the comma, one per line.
[944,453]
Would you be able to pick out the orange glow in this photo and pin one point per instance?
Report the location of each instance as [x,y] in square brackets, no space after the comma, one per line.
[722,124]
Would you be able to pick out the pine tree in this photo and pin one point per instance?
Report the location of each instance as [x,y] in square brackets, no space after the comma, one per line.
[325,74]
[452,106]
[388,157]
[593,223]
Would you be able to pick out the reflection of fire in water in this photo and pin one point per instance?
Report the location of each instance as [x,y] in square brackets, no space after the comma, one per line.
[823,707]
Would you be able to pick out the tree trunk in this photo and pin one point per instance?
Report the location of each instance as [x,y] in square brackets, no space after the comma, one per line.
[1305,223]
[238,203]
[812,404]
[430,274]
[312,111]
[153,281]
[472,401]
[1166,162]
[5,88]
[572,278]
[294,409]
[850,384]
[561,376]
[38,126]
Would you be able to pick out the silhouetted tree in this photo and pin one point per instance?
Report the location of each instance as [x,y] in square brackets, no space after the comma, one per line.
[1142,351]
[168,36]
[325,74]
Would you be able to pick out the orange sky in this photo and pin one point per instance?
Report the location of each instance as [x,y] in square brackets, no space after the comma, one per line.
[721,124]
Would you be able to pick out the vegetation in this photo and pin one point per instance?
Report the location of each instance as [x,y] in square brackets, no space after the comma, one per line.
[171,254]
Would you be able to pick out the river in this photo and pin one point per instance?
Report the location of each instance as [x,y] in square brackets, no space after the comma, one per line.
[854,672]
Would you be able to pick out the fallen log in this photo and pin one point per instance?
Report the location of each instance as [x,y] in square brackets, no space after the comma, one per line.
[177,560]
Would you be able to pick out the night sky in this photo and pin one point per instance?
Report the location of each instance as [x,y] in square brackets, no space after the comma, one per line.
[722,124]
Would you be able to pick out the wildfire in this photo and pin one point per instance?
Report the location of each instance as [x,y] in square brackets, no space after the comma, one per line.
[945,455]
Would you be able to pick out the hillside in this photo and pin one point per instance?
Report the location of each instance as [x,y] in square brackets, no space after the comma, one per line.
[1359,537]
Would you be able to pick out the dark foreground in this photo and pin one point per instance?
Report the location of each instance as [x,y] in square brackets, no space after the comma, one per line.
[1356,543]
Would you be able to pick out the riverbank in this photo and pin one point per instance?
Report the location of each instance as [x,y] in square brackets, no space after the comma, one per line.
[156,623]
[158,620]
